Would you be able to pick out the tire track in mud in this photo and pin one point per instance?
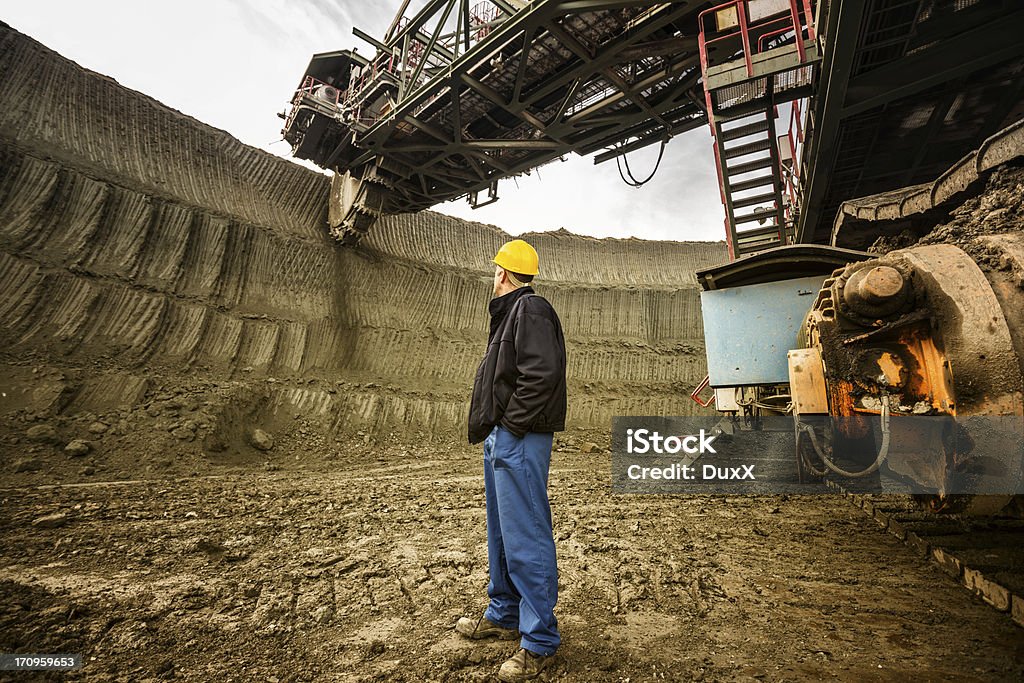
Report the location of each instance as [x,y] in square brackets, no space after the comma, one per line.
[984,554]
[359,571]
[151,265]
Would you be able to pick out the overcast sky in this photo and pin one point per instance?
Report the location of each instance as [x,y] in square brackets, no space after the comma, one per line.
[234,64]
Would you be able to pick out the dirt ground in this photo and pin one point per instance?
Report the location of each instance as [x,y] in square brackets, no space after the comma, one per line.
[168,291]
[353,564]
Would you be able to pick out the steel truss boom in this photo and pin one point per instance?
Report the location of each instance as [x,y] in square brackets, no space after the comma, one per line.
[459,96]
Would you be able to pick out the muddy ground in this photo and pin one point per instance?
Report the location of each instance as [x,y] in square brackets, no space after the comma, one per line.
[352,563]
[166,291]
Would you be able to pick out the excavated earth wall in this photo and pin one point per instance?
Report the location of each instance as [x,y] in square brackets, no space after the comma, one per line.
[155,268]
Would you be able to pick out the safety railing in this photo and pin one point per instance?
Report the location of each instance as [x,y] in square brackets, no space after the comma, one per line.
[385,63]
[695,394]
[795,135]
[416,47]
[312,88]
[761,27]
[481,19]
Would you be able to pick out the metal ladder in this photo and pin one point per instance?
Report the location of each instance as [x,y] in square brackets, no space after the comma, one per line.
[755,54]
[750,180]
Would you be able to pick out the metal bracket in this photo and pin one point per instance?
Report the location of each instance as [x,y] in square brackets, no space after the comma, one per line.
[492,196]
[695,394]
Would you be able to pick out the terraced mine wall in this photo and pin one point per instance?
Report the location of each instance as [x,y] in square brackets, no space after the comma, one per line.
[155,268]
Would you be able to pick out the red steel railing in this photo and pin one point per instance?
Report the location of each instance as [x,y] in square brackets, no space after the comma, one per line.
[798,21]
[695,394]
[795,134]
[309,88]
[481,18]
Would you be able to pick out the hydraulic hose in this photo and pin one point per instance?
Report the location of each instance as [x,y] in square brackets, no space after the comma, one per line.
[883,450]
[804,459]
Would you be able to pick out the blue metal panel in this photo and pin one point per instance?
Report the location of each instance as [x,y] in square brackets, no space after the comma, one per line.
[747,330]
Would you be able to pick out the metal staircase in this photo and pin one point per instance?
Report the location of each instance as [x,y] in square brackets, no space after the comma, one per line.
[751,183]
[755,54]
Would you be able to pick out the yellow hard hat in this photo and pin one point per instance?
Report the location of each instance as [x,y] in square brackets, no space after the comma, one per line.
[518,257]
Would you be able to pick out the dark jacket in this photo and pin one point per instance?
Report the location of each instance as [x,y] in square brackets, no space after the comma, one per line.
[520,383]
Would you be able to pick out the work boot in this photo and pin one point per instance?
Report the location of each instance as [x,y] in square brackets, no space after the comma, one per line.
[524,666]
[481,628]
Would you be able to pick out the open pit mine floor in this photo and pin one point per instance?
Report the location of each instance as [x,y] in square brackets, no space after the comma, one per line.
[354,563]
[166,290]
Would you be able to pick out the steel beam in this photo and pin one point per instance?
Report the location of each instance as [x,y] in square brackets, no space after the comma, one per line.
[948,60]
[505,7]
[416,23]
[363,35]
[432,42]
[610,53]
[458,67]
[440,160]
[844,17]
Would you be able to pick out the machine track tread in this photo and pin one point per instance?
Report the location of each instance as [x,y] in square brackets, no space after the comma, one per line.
[984,554]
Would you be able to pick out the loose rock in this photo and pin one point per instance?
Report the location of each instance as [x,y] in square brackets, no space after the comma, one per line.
[78,448]
[261,440]
[183,433]
[28,465]
[43,433]
[54,521]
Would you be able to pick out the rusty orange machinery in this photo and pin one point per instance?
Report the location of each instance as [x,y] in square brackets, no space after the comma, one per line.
[924,331]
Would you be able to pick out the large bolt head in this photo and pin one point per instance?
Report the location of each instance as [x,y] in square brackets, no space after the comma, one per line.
[879,284]
[873,292]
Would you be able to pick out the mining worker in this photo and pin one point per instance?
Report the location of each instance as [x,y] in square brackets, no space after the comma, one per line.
[518,402]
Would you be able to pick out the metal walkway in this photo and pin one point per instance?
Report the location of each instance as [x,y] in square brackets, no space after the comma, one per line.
[459,96]
[881,94]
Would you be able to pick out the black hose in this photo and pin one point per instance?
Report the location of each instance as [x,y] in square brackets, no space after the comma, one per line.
[804,458]
[631,180]
[883,450]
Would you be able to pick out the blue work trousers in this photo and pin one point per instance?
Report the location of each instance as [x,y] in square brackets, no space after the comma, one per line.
[520,545]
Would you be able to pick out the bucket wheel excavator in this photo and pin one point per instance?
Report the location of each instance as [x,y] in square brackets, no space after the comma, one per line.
[903,369]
